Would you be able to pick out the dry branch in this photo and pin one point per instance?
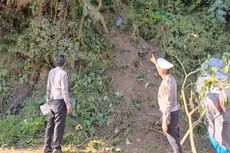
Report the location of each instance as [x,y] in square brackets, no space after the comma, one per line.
[189,113]
[194,125]
[95,12]
[81,24]
[99,5]
[85,141]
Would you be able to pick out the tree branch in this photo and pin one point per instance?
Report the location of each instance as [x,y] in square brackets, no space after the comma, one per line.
[99,5]
[185,72]
[189,114]
[81,24]
[195,109]
[194,125]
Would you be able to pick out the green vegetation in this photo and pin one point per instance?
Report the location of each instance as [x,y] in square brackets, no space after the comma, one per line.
[32,33]
[190,30]
[213,82]
[32,36]
[23,126]
[93,102]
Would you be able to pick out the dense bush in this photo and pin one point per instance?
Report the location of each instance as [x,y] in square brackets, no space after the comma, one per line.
[193,37]
[92,103]
[24,126]
[175,30]
[34,38]
[93,106]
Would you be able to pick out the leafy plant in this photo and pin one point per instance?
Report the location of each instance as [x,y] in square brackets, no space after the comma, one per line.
[137,104]
[93,100]
[212,82]
[218,11]
[24,128]
[178,32]
[4,77]
[4,89]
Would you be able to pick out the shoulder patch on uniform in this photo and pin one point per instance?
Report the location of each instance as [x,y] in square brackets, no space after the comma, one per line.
[165,88]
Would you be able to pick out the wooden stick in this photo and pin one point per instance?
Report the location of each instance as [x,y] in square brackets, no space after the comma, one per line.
[85,141]
[81,24]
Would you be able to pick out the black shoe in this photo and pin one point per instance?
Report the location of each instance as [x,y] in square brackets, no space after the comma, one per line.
[47,150]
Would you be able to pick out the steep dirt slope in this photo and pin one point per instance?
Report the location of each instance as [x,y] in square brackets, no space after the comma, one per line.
[137,79]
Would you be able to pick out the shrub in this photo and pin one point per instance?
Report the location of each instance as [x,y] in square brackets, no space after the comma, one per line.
[24,126]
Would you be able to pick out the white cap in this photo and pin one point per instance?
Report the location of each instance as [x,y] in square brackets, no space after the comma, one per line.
[164,64]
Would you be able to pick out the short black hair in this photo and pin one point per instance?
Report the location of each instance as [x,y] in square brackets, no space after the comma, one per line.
[60,60]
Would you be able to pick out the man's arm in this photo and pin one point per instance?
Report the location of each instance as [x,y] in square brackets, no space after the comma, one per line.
[48,89]
[168,93]
[65,93]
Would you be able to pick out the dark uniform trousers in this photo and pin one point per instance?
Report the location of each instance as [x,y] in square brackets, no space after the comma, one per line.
[56,124]
[173,132]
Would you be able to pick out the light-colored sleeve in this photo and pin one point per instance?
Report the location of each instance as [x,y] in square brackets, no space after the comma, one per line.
[64,86]
[48,89]
[168,93]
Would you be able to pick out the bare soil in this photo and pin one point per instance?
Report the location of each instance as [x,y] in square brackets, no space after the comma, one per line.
[138,80]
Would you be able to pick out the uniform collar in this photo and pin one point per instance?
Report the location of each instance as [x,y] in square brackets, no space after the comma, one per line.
[166,77]
[58,67]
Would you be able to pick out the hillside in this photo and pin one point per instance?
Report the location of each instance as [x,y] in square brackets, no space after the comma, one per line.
[112,83]
[138,110]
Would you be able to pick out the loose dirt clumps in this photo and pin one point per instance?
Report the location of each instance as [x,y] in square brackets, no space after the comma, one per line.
[137,79]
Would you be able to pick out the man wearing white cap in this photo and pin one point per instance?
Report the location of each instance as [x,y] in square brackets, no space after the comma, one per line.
[167,100]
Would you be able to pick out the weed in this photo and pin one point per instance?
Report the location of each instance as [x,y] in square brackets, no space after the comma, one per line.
[137,104]
[141,78]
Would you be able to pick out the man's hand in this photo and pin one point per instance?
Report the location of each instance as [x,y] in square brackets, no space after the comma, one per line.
[153,59]
[69,109]
[165,128]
